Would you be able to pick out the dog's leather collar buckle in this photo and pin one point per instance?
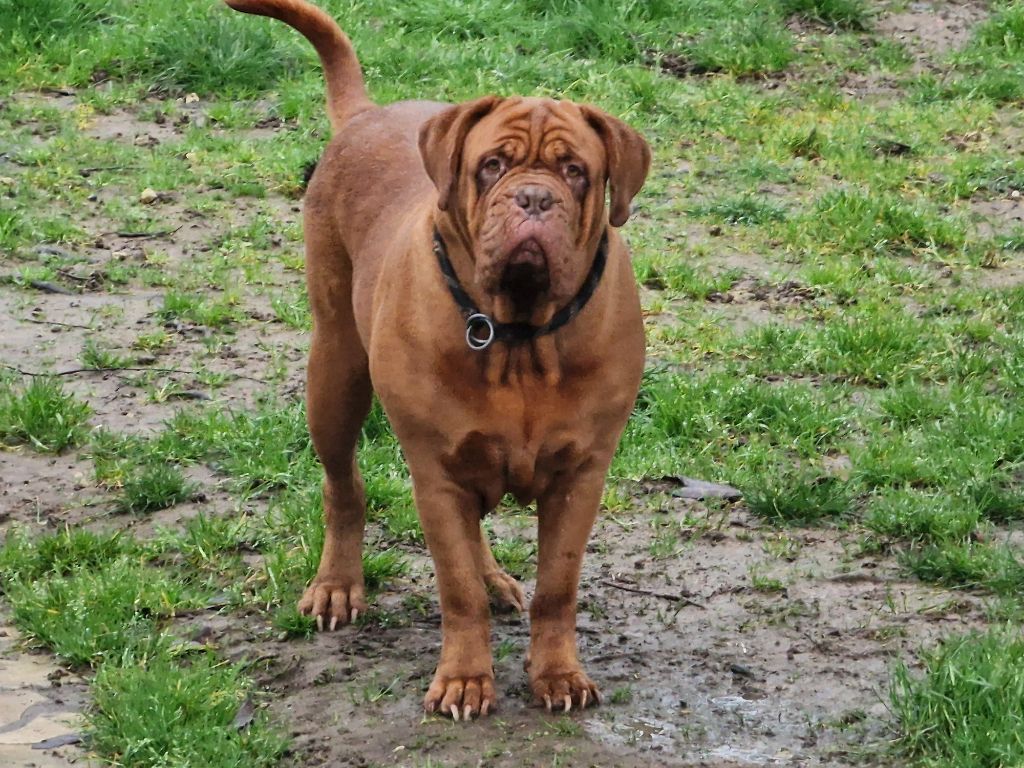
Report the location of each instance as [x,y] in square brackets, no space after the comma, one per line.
[482,330]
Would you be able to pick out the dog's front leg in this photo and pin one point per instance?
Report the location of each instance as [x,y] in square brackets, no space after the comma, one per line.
[565,516]
[463,685]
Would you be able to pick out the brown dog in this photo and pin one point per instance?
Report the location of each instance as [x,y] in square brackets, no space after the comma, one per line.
[461,264]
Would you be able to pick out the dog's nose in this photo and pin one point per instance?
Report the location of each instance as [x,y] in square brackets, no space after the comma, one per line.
[534,199]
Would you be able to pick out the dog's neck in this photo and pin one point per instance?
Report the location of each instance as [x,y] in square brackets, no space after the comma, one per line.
[512,344]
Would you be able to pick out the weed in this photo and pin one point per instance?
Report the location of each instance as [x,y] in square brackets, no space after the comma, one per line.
[621,695]
[93,356]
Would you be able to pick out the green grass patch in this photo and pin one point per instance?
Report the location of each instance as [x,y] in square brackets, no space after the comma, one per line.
[158,711]
[89,615]
[153,487]
[42,415]
[963,710]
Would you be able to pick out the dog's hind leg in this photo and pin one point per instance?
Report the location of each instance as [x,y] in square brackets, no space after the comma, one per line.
[338,399]
[499,583]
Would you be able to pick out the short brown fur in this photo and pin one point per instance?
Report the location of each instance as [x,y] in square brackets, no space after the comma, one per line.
[516,187]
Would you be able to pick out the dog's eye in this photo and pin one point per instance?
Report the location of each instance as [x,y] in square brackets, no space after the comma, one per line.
[573,171]
[492,165]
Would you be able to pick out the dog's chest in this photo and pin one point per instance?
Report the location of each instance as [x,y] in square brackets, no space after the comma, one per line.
[519,450]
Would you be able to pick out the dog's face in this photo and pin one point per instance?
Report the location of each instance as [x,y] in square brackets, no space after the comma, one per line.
[524,181]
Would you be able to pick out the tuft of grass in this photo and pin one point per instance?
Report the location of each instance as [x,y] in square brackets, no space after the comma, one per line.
[920,517]
[27,558]
[969,565]
[199,310]
[381,567]
[236,53]
[844,14]
[153,487]
[964,709]
[851,221]
[742,209]
[155,712]
[90,615]
[515,555]
[93,356]
[797,496]
[293,624]
[992,65]
[41,415]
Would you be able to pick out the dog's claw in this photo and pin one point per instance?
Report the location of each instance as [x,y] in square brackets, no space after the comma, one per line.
[466,711]
[455,712]
[355,615]
[564,690]
[330,602]
[485,708]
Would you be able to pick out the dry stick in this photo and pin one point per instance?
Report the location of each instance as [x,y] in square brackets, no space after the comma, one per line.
[54,322]
[143,235]
[649,593]
[116,368]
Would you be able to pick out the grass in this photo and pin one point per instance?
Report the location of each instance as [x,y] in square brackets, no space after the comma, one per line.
[964,709]
[42,415]
[834,321]
[159,711]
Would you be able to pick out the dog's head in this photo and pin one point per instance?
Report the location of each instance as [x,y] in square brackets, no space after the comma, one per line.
[524,180]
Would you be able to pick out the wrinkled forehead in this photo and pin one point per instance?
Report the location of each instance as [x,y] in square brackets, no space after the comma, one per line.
[536,129]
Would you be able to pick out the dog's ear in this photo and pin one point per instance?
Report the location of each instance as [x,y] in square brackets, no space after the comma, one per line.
[441,140]
[629,159]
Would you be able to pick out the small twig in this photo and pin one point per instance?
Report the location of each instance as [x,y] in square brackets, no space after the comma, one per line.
[94,169]
[54,322]
[115,368]
[144,235]
[649,593]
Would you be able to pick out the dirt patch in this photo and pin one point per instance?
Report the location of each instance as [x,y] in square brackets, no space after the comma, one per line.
[931,31]
[43,492]
[39,706]
[793,676]
[1002,216]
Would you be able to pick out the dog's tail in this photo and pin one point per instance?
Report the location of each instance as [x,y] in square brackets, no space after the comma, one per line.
[346,91]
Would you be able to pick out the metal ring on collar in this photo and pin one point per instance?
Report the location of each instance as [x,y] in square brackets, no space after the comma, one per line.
[476,322]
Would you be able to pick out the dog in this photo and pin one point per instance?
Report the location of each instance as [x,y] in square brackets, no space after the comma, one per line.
[462,264]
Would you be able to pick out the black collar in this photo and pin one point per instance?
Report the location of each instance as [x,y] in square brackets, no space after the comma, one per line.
[482,331]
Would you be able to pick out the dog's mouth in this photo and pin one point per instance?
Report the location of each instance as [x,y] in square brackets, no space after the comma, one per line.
[526,276]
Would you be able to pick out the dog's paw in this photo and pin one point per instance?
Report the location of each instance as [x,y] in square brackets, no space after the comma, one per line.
[506,590]
[332,603]
[461,698]
[565,690]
